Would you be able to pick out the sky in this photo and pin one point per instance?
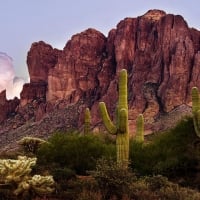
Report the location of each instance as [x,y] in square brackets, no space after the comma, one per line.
[55,21]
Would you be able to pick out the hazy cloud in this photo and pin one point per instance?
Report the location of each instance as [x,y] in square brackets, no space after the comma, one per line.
[8,81]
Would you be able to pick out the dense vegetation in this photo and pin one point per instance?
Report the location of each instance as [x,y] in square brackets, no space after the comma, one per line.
[76,152]
[165,166]
[172,153]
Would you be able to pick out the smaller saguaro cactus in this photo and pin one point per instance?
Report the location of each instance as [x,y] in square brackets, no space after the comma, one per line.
[87,121]
[139,137]
[196,110]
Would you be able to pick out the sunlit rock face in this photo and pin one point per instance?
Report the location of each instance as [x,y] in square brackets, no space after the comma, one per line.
[76,73]
[154,15]
[41,57]
[159,50]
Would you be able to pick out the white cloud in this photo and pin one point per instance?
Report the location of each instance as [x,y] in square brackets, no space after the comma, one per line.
[8,81]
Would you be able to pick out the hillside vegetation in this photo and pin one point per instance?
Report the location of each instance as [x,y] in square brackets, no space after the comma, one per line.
[164,166]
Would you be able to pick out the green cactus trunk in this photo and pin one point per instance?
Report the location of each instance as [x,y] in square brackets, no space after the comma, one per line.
[196,110]
[120,129]
[87,121]
[140,128]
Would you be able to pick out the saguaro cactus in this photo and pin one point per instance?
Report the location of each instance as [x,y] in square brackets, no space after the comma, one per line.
[140,128]
[87,121]
[196,110]
[120,128]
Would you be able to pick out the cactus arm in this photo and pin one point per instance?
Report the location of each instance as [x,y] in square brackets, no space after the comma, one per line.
[106,119]
[140,128]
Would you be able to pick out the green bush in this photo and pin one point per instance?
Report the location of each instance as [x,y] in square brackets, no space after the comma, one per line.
[115,182]
[76,152]
[113,179]
[63,174]
[172,153]
[164,189]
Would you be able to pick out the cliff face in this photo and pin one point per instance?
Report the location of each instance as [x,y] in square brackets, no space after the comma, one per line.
[159,50]
[7,107]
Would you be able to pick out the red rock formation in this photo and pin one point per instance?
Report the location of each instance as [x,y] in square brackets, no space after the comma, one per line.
[41,57]
[159,50]
[7,107]
[162,52]
[75,74]
[33,91]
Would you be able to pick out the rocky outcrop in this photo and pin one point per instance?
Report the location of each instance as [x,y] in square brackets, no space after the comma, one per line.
[33,91]
[7,107]
[76,73]
[159,50]
[41,57]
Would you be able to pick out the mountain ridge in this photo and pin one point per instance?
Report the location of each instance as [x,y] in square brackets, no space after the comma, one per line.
[159,50]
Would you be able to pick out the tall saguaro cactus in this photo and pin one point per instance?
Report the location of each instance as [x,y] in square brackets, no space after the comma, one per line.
[196,110]
[120,128]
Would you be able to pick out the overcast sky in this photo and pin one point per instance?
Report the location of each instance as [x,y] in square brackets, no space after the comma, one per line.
[55,21]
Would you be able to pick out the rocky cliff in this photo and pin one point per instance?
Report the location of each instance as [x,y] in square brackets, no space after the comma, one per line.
[159,50]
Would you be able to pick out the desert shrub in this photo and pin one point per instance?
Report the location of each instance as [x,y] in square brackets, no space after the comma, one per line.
[76,152]
[116,182]
[164,189]
[30,144]
[113,179]
[172,153]
[63,174]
